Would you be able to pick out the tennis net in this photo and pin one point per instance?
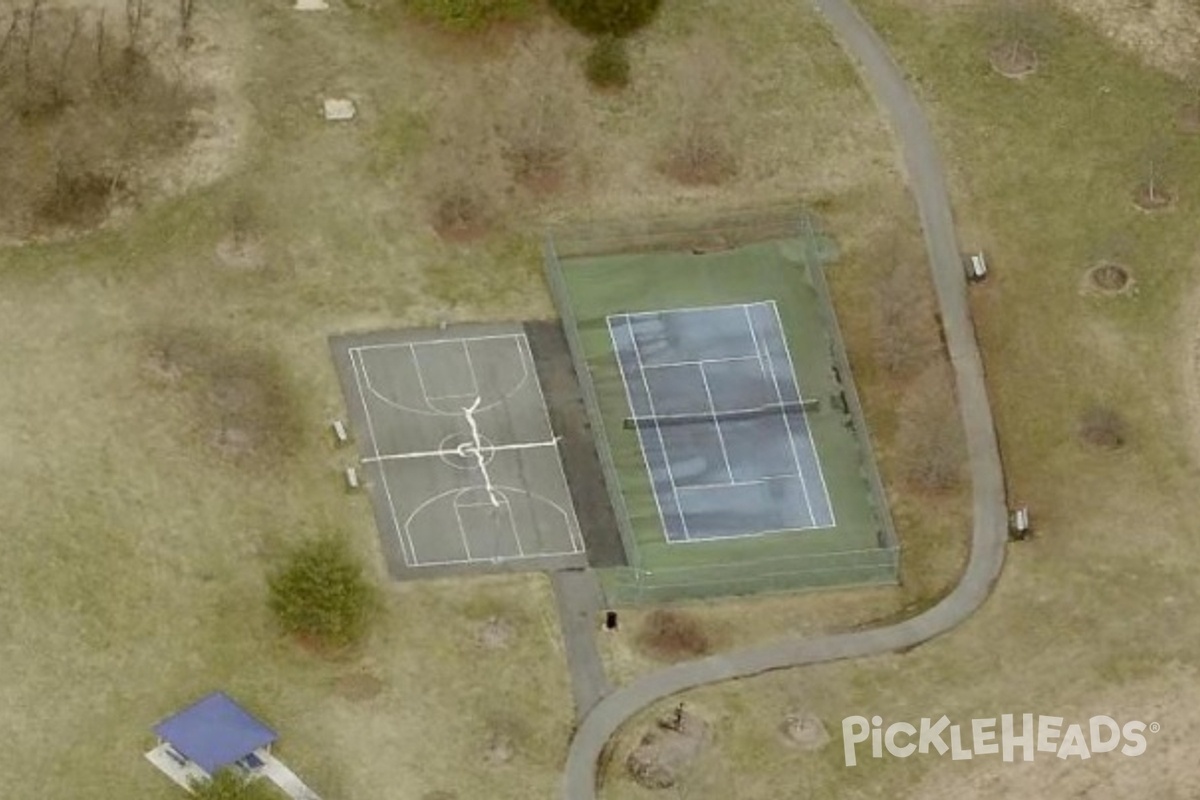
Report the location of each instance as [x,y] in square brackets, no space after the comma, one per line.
[708,417]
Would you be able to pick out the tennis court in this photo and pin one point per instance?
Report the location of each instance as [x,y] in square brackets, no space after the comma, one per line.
[721,421]
[727,423]
[462,464]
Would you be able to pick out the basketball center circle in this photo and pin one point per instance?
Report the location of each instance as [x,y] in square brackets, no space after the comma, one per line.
[458,451]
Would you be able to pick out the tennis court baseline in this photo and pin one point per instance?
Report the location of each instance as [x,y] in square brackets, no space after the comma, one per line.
[721,422]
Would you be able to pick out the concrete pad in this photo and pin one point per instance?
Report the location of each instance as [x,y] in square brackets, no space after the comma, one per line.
[311,5]
[339,110]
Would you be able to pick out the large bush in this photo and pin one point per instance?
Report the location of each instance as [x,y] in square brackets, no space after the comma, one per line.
[465,15]
[600,17]
[321,593]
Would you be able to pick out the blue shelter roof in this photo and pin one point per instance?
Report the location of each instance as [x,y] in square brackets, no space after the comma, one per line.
[214,732]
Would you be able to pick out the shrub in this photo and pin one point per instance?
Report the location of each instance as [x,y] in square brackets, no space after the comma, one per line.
[607,65]
[611,17]
[468,15]
[321,592]
[230,785]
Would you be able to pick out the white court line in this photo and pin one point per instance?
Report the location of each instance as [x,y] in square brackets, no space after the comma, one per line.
[388,401]
[706,486]
[505,504]
[807,428]
[753,534]
[497,448]
[712,407]
[686,310]
[437,341]
[462,532]
[700,361]
[412,351]
[662,442]
[458,562]
[430,411]
[471,366]
[401,533]
[573,532]
[451,396]
[786,422]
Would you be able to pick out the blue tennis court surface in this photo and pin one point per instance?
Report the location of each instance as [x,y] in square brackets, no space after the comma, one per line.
[719,415]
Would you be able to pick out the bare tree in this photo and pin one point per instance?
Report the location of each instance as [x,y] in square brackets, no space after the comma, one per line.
[14,23]
[537,113]
[134,11]
[58,88]
[186,9]
[1152,192]
[101,37]
[31,30]
[930,441]
[702,146]
[463,171]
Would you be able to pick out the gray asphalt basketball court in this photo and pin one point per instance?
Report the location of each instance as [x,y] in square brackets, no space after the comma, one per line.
[457,450]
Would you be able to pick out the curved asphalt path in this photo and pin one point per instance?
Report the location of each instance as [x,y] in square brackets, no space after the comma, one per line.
[886,82]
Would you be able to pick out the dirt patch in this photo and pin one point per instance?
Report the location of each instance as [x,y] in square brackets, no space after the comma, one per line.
[1164,33]
[241,400]
[241,254]
[1104,428]
[1108,278]
[666,751]
[496,633]
[673,635]
[1189,118]
[804,731]
[358,686]
[505,736]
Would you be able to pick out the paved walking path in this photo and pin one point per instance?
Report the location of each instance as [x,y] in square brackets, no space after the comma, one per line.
[926,181]
[579,603]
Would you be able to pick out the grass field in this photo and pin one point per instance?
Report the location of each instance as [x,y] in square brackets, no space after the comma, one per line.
[1088,617]
[848,553]
[163,421]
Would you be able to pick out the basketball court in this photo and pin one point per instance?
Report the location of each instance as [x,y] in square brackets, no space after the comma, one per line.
[461,462]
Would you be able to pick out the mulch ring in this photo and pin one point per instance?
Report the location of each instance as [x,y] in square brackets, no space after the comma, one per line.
[1109,279]
[666,751]
[1014,61]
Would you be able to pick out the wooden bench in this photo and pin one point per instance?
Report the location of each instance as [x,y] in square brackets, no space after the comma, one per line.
[976,267]
[352,478]
[339,432]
